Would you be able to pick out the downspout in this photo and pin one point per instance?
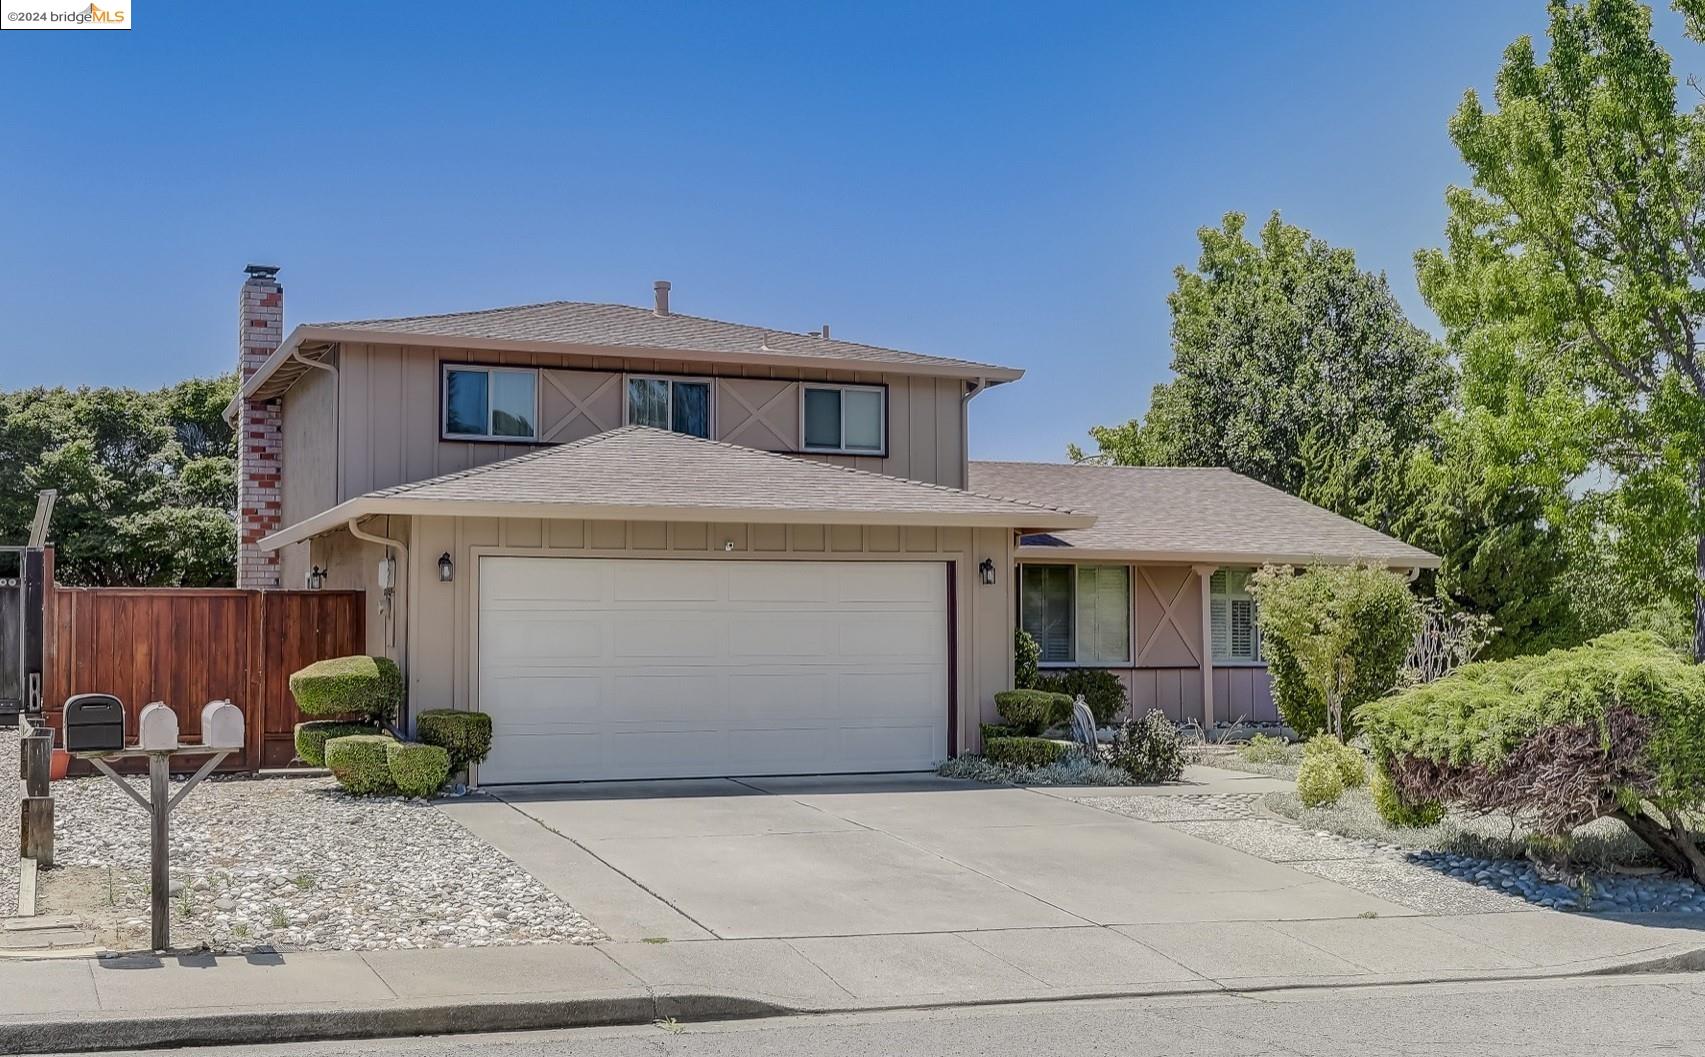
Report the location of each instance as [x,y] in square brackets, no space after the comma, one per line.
[388,602]
[971,390]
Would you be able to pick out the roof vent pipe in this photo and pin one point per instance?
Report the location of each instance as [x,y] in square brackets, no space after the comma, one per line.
[825,330]
[660,291]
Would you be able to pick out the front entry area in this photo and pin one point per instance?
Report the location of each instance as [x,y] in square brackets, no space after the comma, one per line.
[596,669]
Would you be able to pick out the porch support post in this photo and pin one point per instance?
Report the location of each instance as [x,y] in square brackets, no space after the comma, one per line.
[1206,653]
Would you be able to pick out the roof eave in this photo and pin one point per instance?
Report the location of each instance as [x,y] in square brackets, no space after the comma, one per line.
[1417,560]
[367,506]
[306,334]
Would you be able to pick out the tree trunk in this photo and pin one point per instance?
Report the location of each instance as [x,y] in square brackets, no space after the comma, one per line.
[1699,568]
[1673,843]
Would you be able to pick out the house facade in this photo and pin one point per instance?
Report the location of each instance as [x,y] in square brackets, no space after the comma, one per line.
[656,545]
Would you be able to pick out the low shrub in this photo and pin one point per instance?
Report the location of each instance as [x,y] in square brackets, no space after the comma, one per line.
[998,730]
[465,736]
[1398,812]
[417,769]
[1027,752]
[1033,711]
[1101,689]
[1264,748]
[369,687]
[1615,727]
[1320,781]
[1149,749]
[1352,765]
[358,762]
[1026,656]
[311,737]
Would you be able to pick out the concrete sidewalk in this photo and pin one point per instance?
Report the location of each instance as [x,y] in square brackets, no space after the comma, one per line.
[132,1001]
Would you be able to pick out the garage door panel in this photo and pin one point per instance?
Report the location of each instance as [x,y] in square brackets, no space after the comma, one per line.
[665,582]
[543,639]
[651,668]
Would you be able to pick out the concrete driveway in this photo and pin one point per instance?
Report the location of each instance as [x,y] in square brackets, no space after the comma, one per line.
[869,856]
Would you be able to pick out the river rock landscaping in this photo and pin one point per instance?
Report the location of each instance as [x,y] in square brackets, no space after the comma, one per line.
[295,863]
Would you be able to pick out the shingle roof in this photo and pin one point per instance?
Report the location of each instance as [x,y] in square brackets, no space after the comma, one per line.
[1187,514]
[624,326]
[641,473]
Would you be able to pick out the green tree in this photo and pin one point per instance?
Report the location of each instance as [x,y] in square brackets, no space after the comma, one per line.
[1573,280]
[1335,636]
[146,481]
[1293,367]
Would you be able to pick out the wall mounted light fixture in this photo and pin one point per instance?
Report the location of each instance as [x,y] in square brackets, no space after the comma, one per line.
[316,578]
[987,570]
[446,568]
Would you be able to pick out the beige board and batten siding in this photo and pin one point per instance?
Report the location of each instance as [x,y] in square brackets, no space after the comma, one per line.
[390,411]
[443,645]
[310,481]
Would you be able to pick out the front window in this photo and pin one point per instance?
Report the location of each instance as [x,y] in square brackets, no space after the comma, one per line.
[675,404]
[847,418]
[1078,614]
[494,403]
[1237,627]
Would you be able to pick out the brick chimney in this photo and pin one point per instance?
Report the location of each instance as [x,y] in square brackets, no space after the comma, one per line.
[260,429]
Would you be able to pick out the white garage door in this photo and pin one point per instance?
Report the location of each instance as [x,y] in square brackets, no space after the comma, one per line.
[595,669]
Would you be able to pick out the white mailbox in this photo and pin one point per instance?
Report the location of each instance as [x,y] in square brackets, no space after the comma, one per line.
[221,725]
[157,729]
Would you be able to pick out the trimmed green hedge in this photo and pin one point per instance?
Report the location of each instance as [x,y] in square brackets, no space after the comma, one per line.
[311,737]
[998,730]
[1101,689]
[416,769]
[370,687]
[359,763]
[1033,711]
[465,736]
[1026,752]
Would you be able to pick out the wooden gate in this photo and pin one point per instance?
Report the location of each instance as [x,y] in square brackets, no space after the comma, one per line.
[188,646]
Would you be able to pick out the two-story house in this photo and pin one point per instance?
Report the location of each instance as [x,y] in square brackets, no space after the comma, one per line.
[655,545]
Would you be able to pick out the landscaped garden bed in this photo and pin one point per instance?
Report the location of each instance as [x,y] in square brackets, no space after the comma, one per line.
[295,863]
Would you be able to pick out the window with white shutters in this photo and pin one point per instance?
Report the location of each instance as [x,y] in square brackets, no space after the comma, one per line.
[1236,625]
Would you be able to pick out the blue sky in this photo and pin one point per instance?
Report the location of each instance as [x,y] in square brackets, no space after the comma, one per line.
[1008,183]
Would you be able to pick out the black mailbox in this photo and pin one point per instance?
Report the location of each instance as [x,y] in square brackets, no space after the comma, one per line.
[94,723]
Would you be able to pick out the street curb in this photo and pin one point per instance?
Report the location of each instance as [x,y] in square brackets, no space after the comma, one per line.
[93,1032]
[266,1027]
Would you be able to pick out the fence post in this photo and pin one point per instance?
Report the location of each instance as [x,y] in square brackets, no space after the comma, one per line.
[35,833]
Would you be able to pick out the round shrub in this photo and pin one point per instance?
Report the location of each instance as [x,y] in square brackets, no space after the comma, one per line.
[358,763]
[1026,752]
[1320,781]
[1101,689]
[1033,711]
[1149,749]
[1026,655]
[416,769]
[1398,812]
[311,737]
[370,687]
[1352,765]
[465,736]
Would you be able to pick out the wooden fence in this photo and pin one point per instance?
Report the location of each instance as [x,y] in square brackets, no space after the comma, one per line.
[188,646]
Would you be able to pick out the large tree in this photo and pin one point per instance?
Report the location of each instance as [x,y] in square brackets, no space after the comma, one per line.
[146,481]
[1292,366]
[1573,283]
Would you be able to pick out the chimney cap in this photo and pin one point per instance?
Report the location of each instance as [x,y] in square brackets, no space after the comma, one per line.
[262,271]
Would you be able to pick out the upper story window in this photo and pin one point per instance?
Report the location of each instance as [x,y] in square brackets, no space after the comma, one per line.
[491,403]
[845,418]
[1078,614]
[681,405]
[1237,627]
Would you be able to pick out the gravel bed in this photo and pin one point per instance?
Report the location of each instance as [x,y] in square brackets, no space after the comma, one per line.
[11,796]
[1277,841]
[1598,892]
[293,863]
[1396,879]
[1207,807]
